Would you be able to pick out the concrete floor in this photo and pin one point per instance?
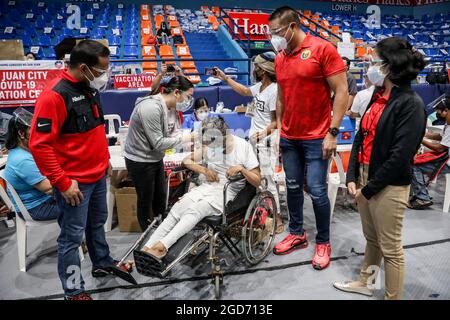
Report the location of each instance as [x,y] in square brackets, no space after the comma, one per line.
[427,249]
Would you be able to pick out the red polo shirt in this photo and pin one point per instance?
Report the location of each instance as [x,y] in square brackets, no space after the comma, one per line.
[302,76]
[369,124]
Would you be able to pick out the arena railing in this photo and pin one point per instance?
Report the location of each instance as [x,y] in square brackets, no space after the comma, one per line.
[236,36]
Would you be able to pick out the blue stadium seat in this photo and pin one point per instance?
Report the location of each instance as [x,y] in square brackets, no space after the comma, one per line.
[44,41]
[130,52]
[114,40]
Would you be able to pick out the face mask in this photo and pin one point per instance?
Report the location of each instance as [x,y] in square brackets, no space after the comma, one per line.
[202,115]
[256,76]
[185,105]
[98,83]
[376,76]
[280,43]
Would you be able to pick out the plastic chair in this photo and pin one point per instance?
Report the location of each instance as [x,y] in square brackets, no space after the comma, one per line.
[22,225]
[165,51]
[109,119]
[335,181]
[183,51]
[148,52]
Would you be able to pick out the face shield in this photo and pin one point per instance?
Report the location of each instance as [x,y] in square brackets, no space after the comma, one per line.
[23,116]
[261,63]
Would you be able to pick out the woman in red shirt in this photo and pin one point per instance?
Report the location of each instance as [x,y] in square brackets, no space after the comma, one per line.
[379,173]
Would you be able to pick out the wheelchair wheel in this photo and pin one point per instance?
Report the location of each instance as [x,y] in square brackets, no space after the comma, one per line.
[258,230]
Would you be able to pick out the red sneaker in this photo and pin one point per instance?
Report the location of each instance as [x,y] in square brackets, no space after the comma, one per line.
[321,258]
[290,243]
[81,296]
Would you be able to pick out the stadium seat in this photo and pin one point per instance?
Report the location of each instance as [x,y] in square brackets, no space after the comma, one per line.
[165,51]
[130,51]
[158,19]
[148,52]
[149,66]
[183,51]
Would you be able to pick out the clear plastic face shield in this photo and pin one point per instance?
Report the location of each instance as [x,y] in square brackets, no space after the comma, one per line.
[23,116]
[256,71]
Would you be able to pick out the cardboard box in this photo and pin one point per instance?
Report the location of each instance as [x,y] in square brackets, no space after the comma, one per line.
[126,210]
[240,109]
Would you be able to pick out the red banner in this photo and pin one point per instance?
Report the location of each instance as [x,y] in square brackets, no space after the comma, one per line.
[404,3]
[21,82]
[255,25]
[134,81]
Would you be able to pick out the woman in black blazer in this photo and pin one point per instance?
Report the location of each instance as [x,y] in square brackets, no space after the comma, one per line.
[379,173]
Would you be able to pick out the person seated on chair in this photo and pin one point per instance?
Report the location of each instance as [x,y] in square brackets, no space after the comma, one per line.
[163,34]
[223,155]
[21,171]
[201,112]
[420,199]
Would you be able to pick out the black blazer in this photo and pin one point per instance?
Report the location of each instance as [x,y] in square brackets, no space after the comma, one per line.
[398,136]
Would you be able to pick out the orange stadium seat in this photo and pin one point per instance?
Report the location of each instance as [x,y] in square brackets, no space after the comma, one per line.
[148,51]
[183,51]
[190,71]
[165,51]
[172,18]
[174,24]
[158,19]
[187,64]
[149,66]
[177,32]
[307,13]
[194,79]
[216,10]
[361,52]
[212,20]
[335,29]
[204,8]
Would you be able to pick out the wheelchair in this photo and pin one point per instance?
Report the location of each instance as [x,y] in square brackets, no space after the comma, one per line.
[246,227]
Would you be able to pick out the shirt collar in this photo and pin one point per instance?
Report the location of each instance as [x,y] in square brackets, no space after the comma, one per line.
[66,75]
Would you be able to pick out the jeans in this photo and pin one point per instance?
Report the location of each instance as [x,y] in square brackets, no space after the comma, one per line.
[45,211]
[300,158]
[151,189]
[88,218]
[418,184]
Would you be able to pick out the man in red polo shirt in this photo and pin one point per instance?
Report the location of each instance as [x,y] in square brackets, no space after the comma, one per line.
[308,69]
[68,143]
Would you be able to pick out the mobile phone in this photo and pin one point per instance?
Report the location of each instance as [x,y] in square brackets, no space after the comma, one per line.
[170,68]
[211,71]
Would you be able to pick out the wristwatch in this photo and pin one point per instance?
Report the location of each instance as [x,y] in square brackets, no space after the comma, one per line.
[333,131]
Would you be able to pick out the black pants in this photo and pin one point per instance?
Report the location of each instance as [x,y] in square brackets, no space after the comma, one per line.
[151,188]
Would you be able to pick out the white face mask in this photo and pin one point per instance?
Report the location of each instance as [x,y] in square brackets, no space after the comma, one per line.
[99,83]
[280,43]
[376,76]
[202,115]
[185,105]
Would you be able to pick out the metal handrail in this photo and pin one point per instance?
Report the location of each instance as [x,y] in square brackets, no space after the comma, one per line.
[240,30]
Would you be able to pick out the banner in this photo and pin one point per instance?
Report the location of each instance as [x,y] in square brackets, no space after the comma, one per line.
[21,82]
[134,81]
[403,3]
[255,25]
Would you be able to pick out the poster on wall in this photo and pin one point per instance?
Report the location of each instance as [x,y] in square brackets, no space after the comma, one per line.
[255,25]
[21,82]
[134,81]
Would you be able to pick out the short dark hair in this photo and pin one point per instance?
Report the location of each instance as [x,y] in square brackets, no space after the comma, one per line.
[88,52]
[200,102]
[286,14]
[12,138]
[178,82]
[403,62]
[32,53]
[443,104]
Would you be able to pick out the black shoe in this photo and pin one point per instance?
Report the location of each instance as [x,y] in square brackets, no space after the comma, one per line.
[418,204]
[120,271]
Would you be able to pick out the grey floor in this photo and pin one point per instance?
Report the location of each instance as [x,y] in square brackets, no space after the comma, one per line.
[427,249]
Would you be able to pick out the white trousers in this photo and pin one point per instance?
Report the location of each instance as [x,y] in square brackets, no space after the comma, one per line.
[182,218]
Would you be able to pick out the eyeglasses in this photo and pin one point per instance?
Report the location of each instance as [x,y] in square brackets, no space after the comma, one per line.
[101,71]
[374,61]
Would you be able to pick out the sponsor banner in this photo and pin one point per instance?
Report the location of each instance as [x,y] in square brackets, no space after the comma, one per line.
[21,82]
[402,3]
[134,81]
[255,25]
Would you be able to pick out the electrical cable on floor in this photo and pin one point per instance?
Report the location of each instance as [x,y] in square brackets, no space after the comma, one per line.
[229,273]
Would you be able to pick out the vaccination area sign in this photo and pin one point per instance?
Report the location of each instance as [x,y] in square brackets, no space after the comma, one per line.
[134,81]
[21,82]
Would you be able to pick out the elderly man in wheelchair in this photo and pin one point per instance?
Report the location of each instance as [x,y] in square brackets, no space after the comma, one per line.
[229,205]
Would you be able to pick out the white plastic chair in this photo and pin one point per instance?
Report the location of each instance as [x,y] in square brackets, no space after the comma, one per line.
[23,224]
[109,119]
[335,181]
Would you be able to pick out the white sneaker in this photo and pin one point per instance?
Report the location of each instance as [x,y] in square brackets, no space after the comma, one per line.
[353,287]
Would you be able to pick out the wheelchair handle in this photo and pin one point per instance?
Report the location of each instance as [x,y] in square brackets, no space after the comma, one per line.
[236,177]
